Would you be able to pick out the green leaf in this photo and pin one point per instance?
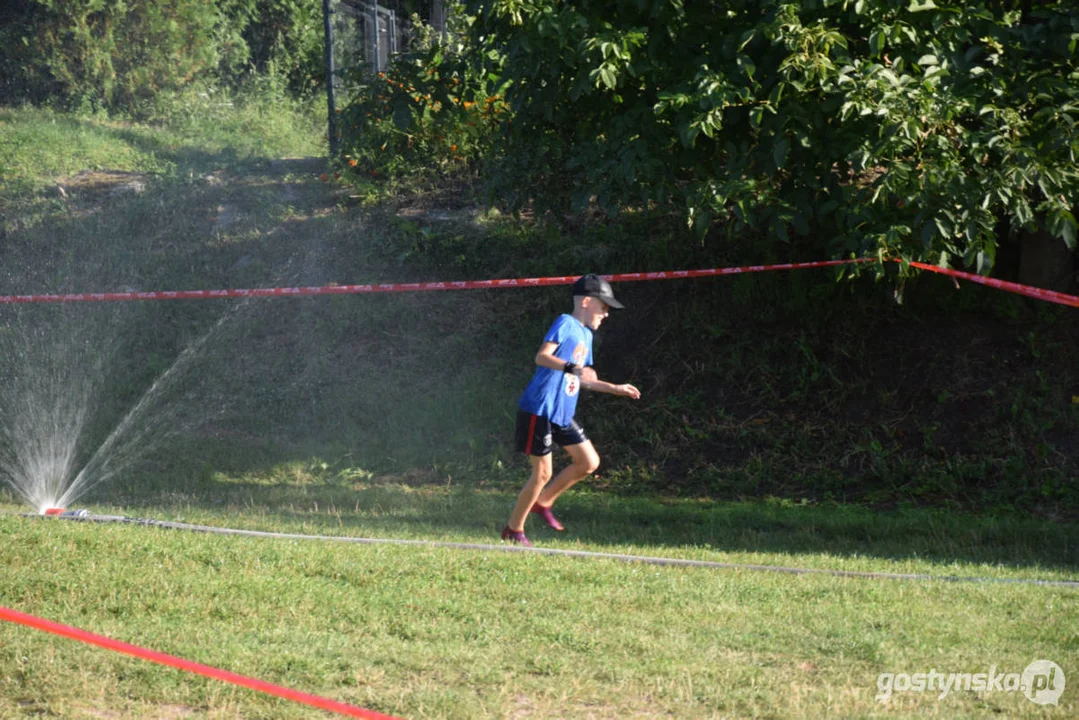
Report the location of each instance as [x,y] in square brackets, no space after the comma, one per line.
[742,214]
[689,133]
[673,100]
[1067,229]
[876,42]
[607,76]
[402,117]
[927,235]
[747,65]
[928,60]
[916,6]
[776,94]
[943,230]
[780,229]
[779,152]
[702,221]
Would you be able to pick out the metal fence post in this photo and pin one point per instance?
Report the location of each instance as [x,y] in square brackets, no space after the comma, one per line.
[378,39]
[393,34]
[331,100]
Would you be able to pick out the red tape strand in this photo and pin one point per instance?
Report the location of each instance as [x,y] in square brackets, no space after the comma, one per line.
[205,670]
[402,287]
[1048,295]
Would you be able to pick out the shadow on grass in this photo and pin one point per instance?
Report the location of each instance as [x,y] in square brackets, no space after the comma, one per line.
[467,504]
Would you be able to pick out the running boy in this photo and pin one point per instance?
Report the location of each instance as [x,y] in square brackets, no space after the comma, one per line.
[545,411]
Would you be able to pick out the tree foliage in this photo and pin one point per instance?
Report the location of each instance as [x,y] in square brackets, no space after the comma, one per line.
[433,110]
[898,127]
[112,52]
[286,37]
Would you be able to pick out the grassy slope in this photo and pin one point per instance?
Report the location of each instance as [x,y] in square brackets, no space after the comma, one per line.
[758,401]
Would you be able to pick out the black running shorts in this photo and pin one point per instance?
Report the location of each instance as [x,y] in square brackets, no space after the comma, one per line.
[536,434]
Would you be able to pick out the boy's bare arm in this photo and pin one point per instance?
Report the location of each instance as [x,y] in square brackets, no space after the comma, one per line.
[589,381]
[546,357]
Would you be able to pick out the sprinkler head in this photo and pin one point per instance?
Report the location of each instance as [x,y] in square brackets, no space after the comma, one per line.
[61,512]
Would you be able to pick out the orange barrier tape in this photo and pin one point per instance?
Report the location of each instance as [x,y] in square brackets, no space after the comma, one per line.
[205,670]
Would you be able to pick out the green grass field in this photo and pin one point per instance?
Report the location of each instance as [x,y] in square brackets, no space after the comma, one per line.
[376,417]
[429,632]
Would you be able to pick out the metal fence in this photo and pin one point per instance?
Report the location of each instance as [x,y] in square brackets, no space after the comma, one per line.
[363,38]
[369,35]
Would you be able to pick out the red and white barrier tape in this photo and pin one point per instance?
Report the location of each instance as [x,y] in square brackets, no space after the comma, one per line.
[1049,295]
[399,287]
[205,670]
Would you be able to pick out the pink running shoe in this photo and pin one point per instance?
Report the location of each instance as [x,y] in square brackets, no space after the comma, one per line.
[548,516]
[517,536]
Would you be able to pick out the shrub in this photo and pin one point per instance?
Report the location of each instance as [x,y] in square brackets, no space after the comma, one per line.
[285,37]
[432,111]
[108,53]
[116,54]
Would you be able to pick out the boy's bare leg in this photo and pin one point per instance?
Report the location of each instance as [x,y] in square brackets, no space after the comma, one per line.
[585,461]
[541,474]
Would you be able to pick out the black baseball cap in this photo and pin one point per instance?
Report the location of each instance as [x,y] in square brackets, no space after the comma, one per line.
[597,287]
